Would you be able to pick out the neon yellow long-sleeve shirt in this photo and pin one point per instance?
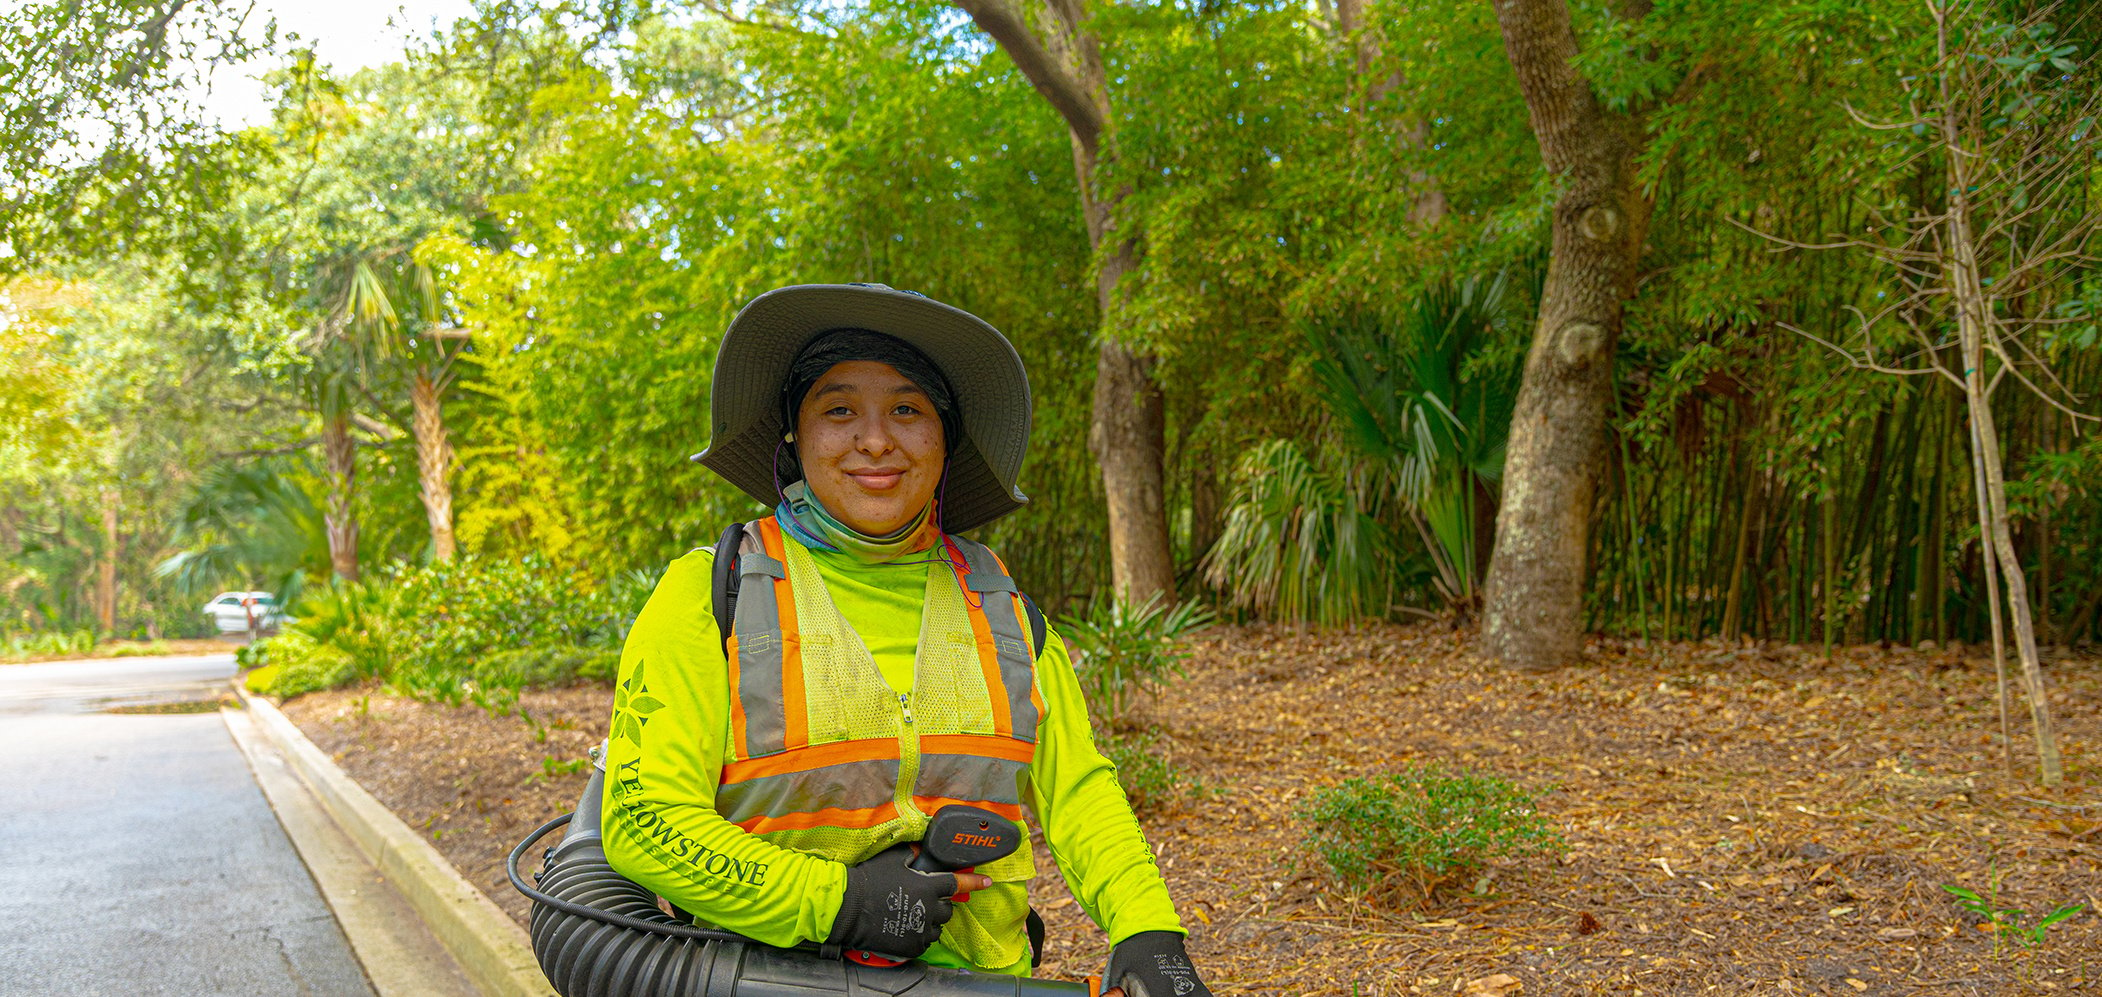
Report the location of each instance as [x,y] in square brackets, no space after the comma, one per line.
[671,721]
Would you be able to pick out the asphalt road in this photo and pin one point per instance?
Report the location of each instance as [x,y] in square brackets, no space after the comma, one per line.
[137,856]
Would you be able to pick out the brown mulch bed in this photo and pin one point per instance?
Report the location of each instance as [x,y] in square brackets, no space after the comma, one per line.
[1738,820]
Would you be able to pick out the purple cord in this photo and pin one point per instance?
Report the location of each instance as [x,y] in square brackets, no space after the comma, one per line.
[776,475]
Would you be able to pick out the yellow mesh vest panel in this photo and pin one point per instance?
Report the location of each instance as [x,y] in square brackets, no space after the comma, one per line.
[989,930]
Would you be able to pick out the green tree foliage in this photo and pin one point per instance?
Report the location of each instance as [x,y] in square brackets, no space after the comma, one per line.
[101,145]
[592,190]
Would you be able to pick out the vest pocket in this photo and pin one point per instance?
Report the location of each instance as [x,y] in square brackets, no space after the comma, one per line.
[991,928]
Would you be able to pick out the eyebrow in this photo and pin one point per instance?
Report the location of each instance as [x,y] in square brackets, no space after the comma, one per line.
[908,388]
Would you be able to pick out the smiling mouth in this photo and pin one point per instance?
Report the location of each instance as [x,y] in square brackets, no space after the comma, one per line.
[877,480]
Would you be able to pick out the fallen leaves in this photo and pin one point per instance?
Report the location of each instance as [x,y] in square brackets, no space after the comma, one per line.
[1646,784]
[1493,986]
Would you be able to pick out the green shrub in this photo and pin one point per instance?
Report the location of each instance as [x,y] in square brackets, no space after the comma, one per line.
[355,619]
[1120,651]
[259,680]
[543,667]
[47,643]
[450,615]
[305,665]
[1149,778]
[1405,834]
[473,629]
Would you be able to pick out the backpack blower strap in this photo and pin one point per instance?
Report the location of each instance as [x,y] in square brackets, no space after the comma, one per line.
[726,583]
[725,588]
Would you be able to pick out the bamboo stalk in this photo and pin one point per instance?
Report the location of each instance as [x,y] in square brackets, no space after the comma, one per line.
[1828,540]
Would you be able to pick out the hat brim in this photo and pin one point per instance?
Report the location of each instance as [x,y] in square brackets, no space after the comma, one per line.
[982,367]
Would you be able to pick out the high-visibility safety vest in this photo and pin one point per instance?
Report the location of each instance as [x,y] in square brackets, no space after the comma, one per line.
[825,758]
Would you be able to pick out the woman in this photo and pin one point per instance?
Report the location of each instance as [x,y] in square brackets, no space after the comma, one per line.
[770,780]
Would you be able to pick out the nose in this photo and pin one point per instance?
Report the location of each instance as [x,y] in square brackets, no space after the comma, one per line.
[874,436]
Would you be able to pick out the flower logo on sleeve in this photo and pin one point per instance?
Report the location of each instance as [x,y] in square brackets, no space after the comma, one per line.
[632,705]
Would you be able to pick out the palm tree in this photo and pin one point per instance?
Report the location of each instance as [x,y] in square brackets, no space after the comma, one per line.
[1423,396]
[249,523]
[329,383]
[389,316]
[1423,410]
[1308,539]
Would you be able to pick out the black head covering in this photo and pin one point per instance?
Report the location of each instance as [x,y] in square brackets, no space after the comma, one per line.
[840,346]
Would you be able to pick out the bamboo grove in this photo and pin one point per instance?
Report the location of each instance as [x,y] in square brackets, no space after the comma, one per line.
[1727,523]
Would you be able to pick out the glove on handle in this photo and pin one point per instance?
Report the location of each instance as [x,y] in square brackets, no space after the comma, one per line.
[1153,964]
[891,909]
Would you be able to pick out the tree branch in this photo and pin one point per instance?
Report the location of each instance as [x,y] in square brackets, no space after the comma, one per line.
[1057,83]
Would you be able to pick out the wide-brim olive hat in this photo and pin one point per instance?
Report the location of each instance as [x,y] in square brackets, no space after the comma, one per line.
[992,389]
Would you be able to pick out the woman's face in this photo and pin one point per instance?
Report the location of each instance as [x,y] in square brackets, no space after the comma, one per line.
[871,446]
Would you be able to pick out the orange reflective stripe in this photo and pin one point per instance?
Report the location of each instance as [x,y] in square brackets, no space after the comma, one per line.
[794,712]
[980,745]
[989,665]
[929,804]
[816,756]
[828,817]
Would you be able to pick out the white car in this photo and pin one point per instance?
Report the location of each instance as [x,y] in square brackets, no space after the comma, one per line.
[231,611]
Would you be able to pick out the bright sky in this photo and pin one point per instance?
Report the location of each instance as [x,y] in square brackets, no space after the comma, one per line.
[347,34]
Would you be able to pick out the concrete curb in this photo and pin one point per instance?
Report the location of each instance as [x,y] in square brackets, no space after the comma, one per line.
[400,955]
[490,947]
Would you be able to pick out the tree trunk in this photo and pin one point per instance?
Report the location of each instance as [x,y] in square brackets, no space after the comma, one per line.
[1992,595]
[1127,427]
[1207,508]
[106,575]
[341,519]
[434,461]
[1534,611]
[1986,440]
[1975,325]
[1411,131]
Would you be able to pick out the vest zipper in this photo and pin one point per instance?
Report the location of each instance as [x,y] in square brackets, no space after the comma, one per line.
[908,770]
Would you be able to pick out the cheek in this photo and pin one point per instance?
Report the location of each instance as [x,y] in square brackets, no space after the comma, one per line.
[927,444]
[818,442]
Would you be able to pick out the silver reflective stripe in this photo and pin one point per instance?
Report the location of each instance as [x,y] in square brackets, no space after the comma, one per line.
[845,786]
[758,563]
[1017,669]
[990,582]
[758,631]
[969,777]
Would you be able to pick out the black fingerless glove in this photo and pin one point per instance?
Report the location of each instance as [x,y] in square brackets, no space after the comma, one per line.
[891,910]
[1153,964]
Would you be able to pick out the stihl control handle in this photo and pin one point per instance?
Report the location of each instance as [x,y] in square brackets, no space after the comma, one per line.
[963,837]
[959,838]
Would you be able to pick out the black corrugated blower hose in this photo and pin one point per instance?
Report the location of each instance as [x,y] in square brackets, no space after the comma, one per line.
[599,934]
